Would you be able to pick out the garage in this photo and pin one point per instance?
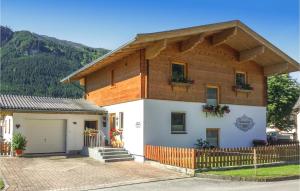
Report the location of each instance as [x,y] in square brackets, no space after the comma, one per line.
[45,135]
[50,125]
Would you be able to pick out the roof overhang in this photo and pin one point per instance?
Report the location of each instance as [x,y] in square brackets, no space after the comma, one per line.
[249,44]
[11,111]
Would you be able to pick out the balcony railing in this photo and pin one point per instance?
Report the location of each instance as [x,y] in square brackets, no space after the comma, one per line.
[94,139]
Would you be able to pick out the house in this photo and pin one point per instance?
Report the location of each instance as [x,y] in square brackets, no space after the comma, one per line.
[173,87]
[50,125]
[296,112]
[166,88]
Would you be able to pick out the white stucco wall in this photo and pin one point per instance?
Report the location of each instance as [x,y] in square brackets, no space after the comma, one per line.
[132,135]
[157,124]
[154,117]
[75,126]
[6,123]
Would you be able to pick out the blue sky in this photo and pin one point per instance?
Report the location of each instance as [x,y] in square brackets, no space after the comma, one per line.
[109,24]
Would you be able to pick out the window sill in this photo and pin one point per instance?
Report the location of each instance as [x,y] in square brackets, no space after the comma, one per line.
[178,132]
[182,84]
[241,90]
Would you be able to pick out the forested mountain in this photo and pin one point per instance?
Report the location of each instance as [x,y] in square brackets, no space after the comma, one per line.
[33,64]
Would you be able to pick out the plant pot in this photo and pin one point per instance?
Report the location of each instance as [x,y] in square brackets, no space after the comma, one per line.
[18,152]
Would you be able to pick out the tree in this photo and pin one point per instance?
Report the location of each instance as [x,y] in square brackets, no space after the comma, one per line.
[283,92]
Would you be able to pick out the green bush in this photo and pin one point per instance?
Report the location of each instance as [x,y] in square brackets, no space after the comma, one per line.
[1,184]
[19,142]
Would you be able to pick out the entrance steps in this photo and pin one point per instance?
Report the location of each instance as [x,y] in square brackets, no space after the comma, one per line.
[105,154]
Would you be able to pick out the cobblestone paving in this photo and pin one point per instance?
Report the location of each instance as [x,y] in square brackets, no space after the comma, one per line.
[80,173]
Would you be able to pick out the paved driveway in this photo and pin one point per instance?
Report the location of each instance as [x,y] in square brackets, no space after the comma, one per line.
[81,173]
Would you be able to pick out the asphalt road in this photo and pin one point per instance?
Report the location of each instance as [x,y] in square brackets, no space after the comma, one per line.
[193,184]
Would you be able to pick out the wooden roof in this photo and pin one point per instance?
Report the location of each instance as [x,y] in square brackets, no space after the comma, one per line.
[249,44]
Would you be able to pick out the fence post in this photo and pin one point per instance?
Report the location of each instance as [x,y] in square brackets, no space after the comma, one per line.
[255,160]
[194,159]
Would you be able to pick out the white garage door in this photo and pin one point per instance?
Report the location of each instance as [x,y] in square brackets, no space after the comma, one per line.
[45,136]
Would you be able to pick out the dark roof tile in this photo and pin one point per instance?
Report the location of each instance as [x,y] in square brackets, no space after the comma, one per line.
[35,103]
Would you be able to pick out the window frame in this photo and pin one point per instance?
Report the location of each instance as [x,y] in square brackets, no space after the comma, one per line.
[96,121]
[218,138]
[240,72]
[179,63]
[179,132]
[218,92]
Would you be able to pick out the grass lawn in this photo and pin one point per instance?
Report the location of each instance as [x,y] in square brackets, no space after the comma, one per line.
[1,184]
[266,172]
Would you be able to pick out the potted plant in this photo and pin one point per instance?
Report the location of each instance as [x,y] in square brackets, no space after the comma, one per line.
[225,109]
[19,144]
[115,137]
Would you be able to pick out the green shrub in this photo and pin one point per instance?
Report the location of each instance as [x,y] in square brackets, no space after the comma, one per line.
[19,142]
[1,184]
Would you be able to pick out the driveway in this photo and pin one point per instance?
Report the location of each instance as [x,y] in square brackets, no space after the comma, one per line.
[79,173]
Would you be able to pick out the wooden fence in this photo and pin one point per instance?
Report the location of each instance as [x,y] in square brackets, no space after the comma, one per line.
[5,149]
[182,157]
[222,157]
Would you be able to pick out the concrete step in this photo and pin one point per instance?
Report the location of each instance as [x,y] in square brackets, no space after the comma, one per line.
[116,156]
[113,153]
[111,149]
[118,159]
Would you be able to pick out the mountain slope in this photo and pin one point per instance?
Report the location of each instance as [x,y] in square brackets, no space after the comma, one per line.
[33,64]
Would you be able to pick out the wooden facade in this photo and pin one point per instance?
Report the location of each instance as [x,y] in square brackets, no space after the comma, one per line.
[206,65]
[135,77]
[125,85]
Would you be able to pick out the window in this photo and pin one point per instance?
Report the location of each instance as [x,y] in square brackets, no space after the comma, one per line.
[240,78]
[212,95]
[112,78]
[90,125]
[178,72]
[177,122]
[212,136]
[121,116]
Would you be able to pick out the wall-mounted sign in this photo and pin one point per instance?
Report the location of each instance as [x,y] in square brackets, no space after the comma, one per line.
[138,124]
[244,123]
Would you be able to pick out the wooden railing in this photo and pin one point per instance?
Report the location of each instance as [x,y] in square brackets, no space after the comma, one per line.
[181,157]
[222,157]
[5,149]
[94,139]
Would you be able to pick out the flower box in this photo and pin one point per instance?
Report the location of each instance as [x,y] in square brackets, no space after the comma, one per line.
[246,88]
[217,111]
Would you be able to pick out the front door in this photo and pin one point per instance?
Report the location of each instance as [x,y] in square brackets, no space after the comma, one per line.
[112,124]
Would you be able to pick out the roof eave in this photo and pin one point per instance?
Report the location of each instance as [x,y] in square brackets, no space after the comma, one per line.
[70,77]
[149,37]
[12,110]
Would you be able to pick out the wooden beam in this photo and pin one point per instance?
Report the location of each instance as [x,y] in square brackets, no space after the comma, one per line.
[275,69]
[223,36]
[154,50]
[247,55]
[191,43]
